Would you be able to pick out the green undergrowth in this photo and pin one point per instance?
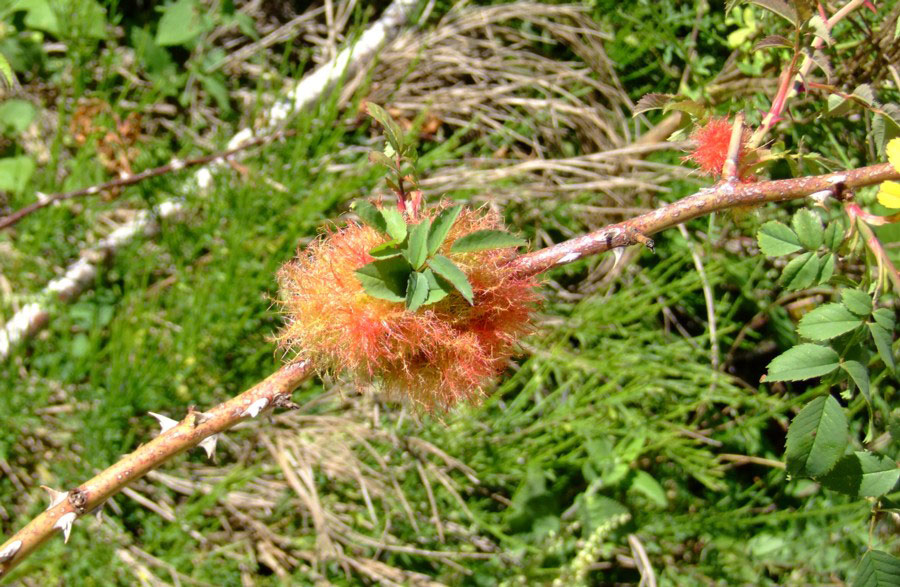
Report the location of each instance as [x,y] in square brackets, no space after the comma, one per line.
[612,408]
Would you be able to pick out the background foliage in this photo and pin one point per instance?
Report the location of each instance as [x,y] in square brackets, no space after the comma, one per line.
[625,416]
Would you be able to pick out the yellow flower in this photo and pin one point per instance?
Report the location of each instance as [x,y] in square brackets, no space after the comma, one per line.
[889,193]
[893,153]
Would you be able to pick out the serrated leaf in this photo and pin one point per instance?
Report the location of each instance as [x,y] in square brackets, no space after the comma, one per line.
[838,105]
[441,226]
[823,62]
[820,29]
[395,225]
[651,102]
[883,338]
[438,287]
[776,239]
[801,272]
[857,301]
[779,7]
[370,215]
[416,291]
[816,438]
[445,268]
[386,250]
[860,376]
[808,227]
[385,279]
[884,318]
[885,129]
[803,361]
[827,321]
[483,240]
[392,131]
[864,94]
[692,107]
[877,569]
[834,235]
[827,269]
[381,159]
[417,247]
[862,474]
[773,41]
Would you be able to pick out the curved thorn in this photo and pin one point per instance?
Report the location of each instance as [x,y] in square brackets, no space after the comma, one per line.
[10,551]
[256,407]
[209,445]
[56,497]
[64,523]
[165,422]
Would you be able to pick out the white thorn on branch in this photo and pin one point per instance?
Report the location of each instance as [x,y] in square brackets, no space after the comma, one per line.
[209,445]
[56,497]
[64,523]
[255,408]
[10,551]
[617,253]
[165,422]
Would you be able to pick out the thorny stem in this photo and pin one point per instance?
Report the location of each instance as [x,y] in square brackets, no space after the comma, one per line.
[788,89]
[170,167]
[275,391]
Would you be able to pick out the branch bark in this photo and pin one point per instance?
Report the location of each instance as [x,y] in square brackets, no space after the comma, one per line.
[275,391]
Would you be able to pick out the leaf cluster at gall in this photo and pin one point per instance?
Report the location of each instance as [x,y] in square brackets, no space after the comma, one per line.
[409,268]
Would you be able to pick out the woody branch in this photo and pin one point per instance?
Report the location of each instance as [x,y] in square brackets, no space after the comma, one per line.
[201,428]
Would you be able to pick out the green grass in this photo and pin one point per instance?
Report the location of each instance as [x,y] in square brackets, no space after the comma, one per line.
[609,409]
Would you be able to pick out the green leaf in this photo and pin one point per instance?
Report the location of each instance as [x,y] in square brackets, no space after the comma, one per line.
[834,235]
[808,228]
[857,301]
[382,159]
[181,22]
[803,361]
[877,569]
[417,248]
[392,131]
[776,239]
[863,474]
[370,215]
[652,102]
[860,376]
[883,338]
[38,15]
[816,438]
[800,272]
[826,271]
[838,105]
[884,318]
[15,116]
[483,240]
[9,78]
[386,279]
[438,287]
[644,483]
[416,291]
[441,227]
[827,321]
[394,223]
[444,267]
[386,250]
[15,173]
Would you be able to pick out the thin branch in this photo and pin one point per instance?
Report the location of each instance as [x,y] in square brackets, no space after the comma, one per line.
[722,196]
[177,437]
[172,166]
